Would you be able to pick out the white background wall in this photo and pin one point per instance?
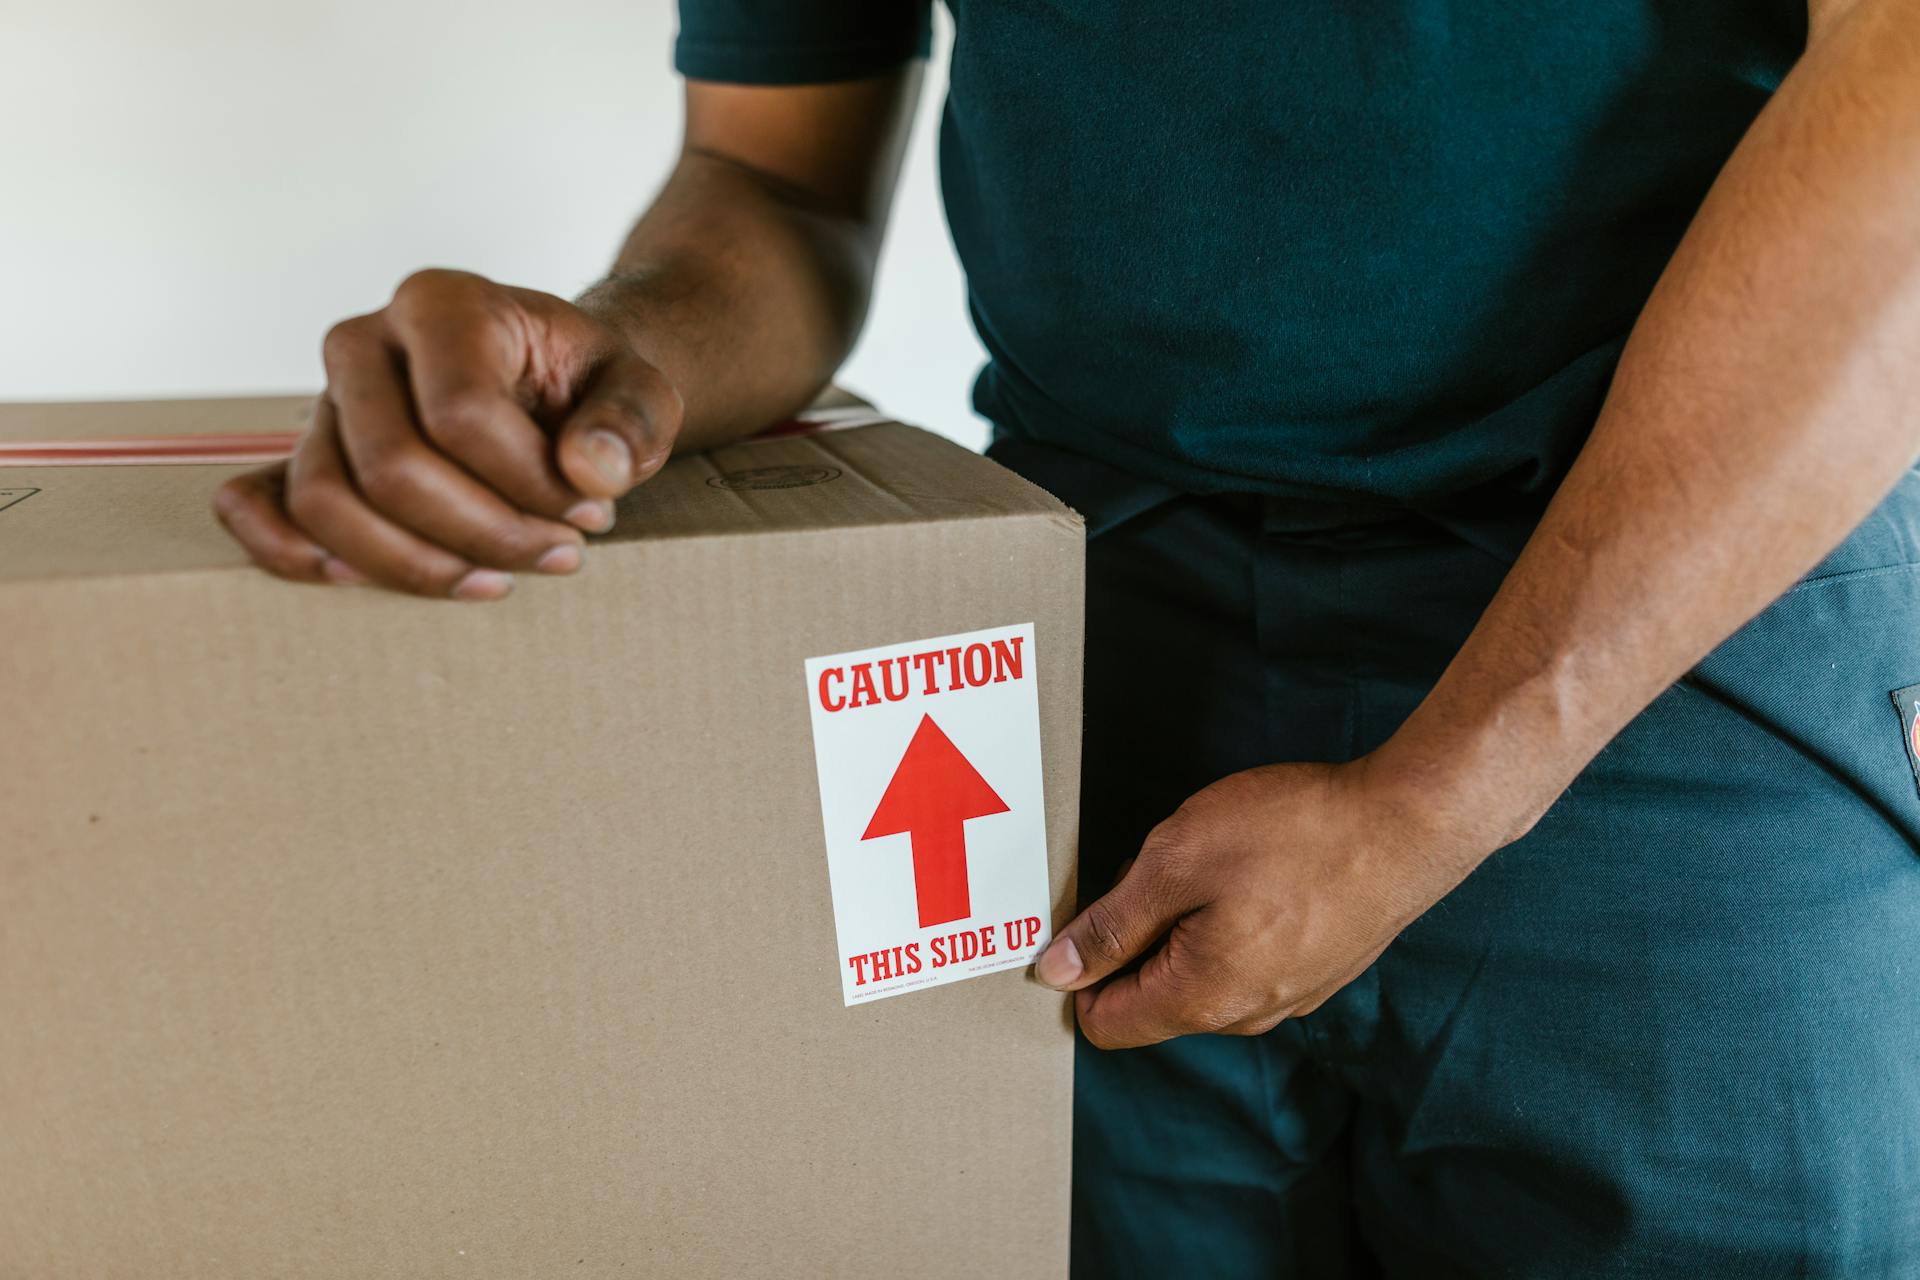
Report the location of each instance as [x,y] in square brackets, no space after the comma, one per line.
[191,191]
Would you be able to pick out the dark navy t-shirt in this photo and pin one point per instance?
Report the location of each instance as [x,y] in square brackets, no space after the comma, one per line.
[1378,250]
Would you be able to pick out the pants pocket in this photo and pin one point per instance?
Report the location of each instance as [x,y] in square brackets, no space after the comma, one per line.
[1819,666]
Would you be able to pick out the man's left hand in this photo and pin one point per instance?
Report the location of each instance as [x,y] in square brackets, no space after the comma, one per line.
[1257,900]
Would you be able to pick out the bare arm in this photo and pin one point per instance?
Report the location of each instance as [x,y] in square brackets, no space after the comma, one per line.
[1769,397]
[471,429]
[747,280]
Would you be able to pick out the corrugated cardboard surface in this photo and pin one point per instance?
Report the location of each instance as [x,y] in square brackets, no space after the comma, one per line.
[92,419]
[343,934]
[82,517]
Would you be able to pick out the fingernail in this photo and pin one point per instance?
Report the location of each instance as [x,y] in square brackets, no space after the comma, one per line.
[483,584]
[334,569]
[592,516]
[610,457]
[564,558]
[653,462]
[1059,965]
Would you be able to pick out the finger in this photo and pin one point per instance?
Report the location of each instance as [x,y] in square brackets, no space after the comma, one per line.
[464,361]
[1111,932]
[325,507]
[1138,1008]
[251,508]
[622,429]
[414,485]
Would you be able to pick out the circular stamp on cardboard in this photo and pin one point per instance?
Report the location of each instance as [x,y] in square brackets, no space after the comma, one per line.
[797,476]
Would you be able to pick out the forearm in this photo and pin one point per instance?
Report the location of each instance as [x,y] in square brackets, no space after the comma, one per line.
[747,280]
[1768,398]
[747,303]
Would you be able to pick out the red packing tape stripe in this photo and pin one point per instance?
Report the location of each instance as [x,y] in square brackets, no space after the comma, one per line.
[271,446]
[259,446]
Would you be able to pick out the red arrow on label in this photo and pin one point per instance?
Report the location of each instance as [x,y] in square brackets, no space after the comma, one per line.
[933,793]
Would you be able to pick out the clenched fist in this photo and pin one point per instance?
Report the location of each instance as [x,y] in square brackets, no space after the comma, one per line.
[468,430]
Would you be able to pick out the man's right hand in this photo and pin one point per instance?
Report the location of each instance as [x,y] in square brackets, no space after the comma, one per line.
[468,430]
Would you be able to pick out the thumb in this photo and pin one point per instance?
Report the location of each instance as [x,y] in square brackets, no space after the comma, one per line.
[1112,931]
[621,429]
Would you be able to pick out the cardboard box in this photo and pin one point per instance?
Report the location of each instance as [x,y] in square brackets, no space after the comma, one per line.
[345,934]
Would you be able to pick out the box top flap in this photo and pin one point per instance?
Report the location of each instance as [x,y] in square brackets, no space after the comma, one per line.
[98,419]
[847,470]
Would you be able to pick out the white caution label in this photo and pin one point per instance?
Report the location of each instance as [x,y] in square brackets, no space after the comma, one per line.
[930,791]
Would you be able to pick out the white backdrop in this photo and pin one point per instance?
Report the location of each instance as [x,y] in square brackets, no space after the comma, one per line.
[192,190]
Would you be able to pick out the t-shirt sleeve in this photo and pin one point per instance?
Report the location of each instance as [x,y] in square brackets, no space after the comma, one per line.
[798,41]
